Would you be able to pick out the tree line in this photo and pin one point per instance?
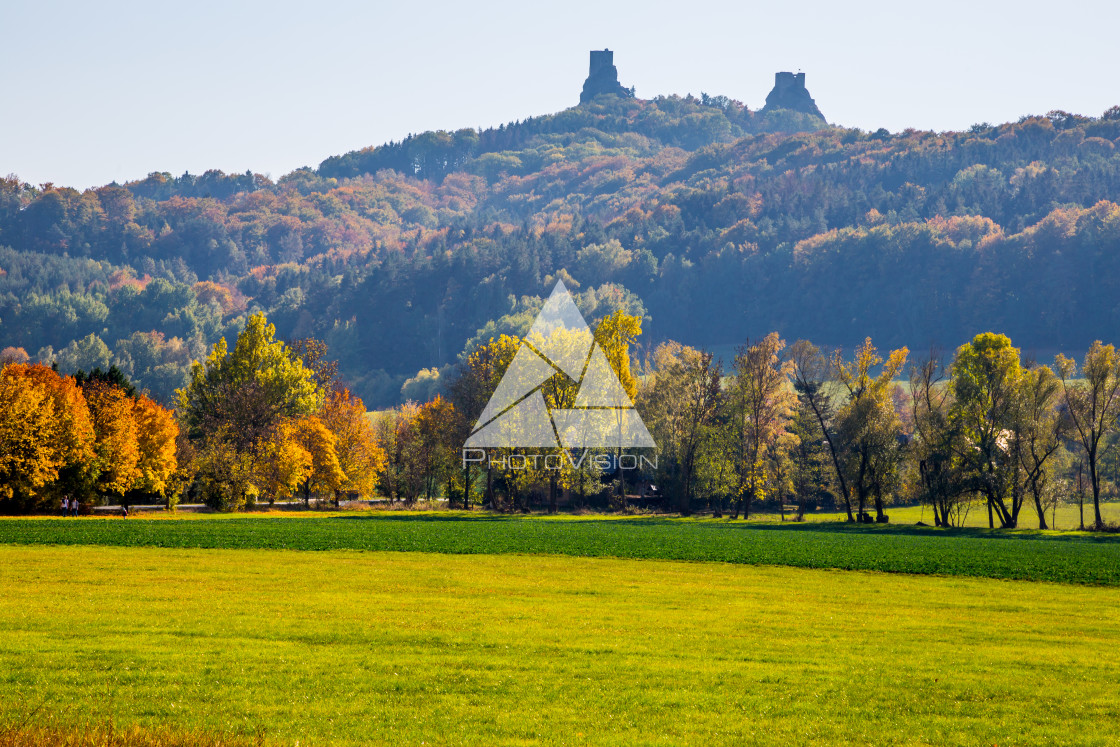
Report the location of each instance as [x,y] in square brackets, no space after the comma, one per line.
[792,427]
[799,427]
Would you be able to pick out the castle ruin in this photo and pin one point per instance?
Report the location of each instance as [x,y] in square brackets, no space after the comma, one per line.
[602,78]
[789,92]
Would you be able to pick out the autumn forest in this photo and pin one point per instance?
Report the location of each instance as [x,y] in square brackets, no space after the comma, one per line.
[699,216]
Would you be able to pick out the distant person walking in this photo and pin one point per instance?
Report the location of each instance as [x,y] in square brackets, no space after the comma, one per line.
[66,506]
[74,507]
[124,511]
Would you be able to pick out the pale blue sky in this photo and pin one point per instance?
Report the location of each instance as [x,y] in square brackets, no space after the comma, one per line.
[92,92]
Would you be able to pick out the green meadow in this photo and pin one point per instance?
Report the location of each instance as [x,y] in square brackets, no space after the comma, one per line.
[343,647]
[456,628]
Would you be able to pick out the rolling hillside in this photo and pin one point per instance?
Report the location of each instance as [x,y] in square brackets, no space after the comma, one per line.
[717,223]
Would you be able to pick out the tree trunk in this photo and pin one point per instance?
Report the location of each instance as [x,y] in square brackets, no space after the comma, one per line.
[1081,494]
[1038,507]
[848,506]
[1017,499]
[490,485]
[1095,481]
[685,500]
[621,481]
[835,459]
[466,486]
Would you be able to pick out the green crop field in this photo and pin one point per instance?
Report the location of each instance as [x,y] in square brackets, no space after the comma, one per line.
[1024,554]
[416,648]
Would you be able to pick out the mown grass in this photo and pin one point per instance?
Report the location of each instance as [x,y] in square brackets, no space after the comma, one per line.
[411,648]
[1027,555]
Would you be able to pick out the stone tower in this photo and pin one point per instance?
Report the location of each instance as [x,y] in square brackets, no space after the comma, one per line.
[789,92]
[602,78]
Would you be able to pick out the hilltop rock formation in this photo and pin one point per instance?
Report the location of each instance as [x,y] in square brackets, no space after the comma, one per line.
[789,92]
[602,78]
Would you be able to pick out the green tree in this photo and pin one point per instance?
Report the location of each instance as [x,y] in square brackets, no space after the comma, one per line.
[250,389]
[814,380]
[810,463]
[937,446]
[679,401]
[1039,430]
[716,475]
[226,479]
[86,354]
[985,380]
[1093,405]
[868,424]
[476,377]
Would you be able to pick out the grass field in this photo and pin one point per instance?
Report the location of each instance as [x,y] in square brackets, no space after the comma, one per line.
[411,648]
[1066,517]
[1023,554]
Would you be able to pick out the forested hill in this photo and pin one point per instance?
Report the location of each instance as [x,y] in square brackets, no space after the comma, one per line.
[719,223]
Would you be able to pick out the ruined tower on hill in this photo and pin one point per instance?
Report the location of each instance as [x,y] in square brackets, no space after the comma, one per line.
[789,92]
[602,78]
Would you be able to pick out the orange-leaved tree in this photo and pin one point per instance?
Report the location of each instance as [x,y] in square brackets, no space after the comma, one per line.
[324,475]
[28,458]
[117,446]
[156,433]
[360,455]
[71,433]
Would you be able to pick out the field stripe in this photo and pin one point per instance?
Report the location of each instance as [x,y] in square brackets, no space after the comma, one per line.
[1060,558]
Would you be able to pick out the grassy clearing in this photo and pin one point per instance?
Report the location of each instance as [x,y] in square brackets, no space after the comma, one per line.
[1027,555]
[1065,519]
[410,648]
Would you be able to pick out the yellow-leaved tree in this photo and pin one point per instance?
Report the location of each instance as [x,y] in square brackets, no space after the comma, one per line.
[324,475]
[615,334]
[279,464]
[156,432]
[117,446]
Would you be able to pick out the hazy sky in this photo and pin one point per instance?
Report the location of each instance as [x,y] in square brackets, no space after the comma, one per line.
[95,92]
